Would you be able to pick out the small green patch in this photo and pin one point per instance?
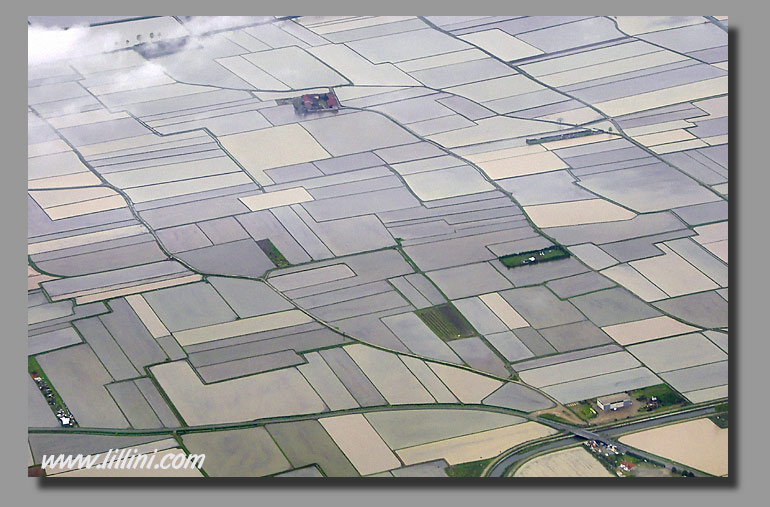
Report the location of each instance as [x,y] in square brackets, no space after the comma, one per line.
[446,322]
[275,255]
[470,469]
[34,369]
[583,409]
[664,397]
[721,420]
[551,253]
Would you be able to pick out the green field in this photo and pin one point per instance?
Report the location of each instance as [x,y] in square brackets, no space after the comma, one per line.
[721,420]
[470,469]
[551,253]
[666,397]
[583,409]
[446,322]
[275,256]
[33,368]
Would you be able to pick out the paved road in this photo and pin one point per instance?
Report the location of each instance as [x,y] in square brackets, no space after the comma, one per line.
[605,434]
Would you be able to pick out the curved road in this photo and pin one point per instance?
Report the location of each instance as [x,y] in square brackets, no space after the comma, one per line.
[604,434]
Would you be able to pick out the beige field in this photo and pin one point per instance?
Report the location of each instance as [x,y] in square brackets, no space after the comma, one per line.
[467,386]
[242,326]
[274,199]
[521,165]
[272,394]
[716,108]
[647,329]
[85,239]
[700,444]
[711,233]
[674,275]
[80,179]
[632,280]
[498,88]
[502,44]
[712,141]
[655,128]
[665,97]
[84,208]
[486,444]
[389,375]
[589,211]
[668,136]
[185,187]
[575,462]
[148,317]
[503,310]
[360,443]
[258,150]
[101,295]
[53,198]
[516,151]
[612,68]
[680,146]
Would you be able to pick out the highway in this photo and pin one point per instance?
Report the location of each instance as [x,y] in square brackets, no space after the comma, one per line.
[605,434]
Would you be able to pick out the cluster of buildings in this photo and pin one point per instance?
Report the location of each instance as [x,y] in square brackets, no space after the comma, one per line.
[312,102]
[65,417]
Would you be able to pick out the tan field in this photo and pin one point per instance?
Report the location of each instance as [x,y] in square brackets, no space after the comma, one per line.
[272,147]
[589,211]
[467,386]
[476,446]
[274,199]
[502,44]
[575,462]
[647,329]
[659,98]
[674,275]
[504,311]
[273,394]
[521,165]
[240,327]
[700,444]
[360,443]
[632,280]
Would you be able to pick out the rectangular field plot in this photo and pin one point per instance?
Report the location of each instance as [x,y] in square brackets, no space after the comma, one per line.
[446,322]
